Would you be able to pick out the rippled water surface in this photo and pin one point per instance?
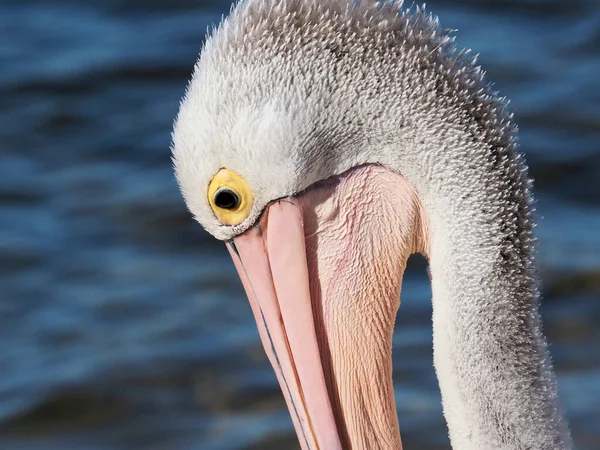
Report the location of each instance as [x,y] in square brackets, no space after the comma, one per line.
[123,325]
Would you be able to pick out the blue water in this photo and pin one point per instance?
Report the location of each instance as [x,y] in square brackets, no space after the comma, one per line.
[123,325]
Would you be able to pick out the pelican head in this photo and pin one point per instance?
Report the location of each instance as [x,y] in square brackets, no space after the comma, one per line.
[325,142]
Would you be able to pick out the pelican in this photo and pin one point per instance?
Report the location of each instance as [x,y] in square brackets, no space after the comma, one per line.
[325,141]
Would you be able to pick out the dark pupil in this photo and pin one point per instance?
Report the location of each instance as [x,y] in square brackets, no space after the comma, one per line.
[226,199]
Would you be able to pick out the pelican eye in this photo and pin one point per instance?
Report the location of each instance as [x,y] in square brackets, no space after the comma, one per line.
[226,199]
[230,197]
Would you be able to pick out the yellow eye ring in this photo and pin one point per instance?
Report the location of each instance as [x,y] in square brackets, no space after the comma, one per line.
[229,197]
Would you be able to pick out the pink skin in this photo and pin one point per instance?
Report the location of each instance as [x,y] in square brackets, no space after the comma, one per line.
[323,274]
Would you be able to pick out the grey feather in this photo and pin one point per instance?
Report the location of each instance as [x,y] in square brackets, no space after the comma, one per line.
[290,92]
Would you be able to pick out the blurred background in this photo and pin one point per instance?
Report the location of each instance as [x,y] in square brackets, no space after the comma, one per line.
[123,324]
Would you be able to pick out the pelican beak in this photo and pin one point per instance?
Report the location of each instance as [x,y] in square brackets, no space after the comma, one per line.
[323,273]
[272,264]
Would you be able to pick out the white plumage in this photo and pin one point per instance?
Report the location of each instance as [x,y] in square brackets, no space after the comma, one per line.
[287,93]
